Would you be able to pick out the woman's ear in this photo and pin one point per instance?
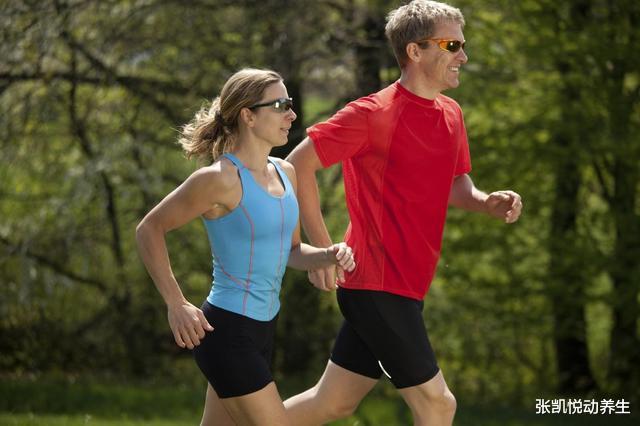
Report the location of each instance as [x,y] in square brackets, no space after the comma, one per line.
[247,117]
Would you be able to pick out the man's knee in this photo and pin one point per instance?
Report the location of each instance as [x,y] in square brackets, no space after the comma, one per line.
[438,409]
[439,396]
[431,402]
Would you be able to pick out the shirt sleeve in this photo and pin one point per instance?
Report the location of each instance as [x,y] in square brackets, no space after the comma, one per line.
[342,136]
[463,162]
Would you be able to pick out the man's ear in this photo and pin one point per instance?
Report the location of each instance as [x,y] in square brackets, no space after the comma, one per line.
[413,52]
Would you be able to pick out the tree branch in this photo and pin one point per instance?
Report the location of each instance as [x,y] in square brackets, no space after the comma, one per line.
[122,80]
[54,266]
[79,130]
[603,182]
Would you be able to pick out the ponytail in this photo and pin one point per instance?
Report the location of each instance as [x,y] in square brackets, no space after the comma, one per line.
[207,136]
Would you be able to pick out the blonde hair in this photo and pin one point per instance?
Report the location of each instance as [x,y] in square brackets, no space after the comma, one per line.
[213,130]
[416,21]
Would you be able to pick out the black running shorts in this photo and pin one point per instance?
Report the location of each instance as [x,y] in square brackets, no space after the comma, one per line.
[236,356]
[384,333]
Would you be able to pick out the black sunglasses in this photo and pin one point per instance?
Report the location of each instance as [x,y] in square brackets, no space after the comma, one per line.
[280,104]
[450,45]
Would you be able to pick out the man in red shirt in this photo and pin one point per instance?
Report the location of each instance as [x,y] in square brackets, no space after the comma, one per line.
[405,158]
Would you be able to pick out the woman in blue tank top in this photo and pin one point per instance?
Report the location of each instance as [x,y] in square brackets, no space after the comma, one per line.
[247,202]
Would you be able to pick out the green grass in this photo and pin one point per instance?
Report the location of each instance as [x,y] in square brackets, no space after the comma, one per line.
[98,402]
[86,419]
[58,402]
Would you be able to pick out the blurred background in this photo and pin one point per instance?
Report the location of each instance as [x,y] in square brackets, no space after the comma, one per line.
[92,93]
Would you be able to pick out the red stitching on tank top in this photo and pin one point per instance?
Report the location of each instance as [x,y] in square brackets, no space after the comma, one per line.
[234,279]
[248,283]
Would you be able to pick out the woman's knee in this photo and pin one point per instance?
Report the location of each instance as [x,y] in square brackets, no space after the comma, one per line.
[337,406]
[448,402]
[342,409]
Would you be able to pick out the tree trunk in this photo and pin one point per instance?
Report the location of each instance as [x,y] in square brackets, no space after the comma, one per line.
[567,266]
[368,53]
[566,280]
[624,370]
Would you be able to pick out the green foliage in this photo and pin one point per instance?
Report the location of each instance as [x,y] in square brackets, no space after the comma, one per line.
[92,94]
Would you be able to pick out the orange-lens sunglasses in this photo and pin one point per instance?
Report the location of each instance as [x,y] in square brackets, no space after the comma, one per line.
[450,45]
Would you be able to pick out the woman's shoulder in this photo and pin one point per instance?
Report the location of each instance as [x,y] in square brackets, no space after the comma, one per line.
[284,164]
[221,175]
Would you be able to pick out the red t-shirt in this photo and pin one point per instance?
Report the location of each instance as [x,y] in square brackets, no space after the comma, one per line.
[400,153]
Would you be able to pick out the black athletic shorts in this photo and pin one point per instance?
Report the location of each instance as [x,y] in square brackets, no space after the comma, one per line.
[384,333]
[236,356]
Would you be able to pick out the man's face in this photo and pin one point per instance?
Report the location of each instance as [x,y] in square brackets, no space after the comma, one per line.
[441,67]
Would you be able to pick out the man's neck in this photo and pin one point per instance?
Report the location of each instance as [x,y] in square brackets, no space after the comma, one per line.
[416,84]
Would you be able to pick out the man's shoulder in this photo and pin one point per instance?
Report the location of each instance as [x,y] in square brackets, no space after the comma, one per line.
[375,101]
[448,102]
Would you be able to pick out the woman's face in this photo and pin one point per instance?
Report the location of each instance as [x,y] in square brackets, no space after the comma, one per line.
[272,121]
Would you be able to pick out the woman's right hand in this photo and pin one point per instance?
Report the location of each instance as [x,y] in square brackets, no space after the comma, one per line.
[188,324]
[325,278]
[344,258]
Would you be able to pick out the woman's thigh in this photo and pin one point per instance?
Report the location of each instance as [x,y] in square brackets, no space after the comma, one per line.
[263,407]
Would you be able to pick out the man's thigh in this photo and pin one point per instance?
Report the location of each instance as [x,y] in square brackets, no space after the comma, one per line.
[391,327]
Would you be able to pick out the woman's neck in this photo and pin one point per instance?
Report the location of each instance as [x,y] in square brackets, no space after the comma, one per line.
[252,154]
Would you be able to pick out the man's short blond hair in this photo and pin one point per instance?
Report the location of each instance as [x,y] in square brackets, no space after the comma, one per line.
[417,21]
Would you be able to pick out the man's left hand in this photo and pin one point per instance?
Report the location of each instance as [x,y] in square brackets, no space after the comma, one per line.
[505,205]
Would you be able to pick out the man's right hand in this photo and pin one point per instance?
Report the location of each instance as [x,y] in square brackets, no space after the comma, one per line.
[324,279]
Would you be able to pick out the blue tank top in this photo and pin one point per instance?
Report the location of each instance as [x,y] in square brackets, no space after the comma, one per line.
[250,247]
